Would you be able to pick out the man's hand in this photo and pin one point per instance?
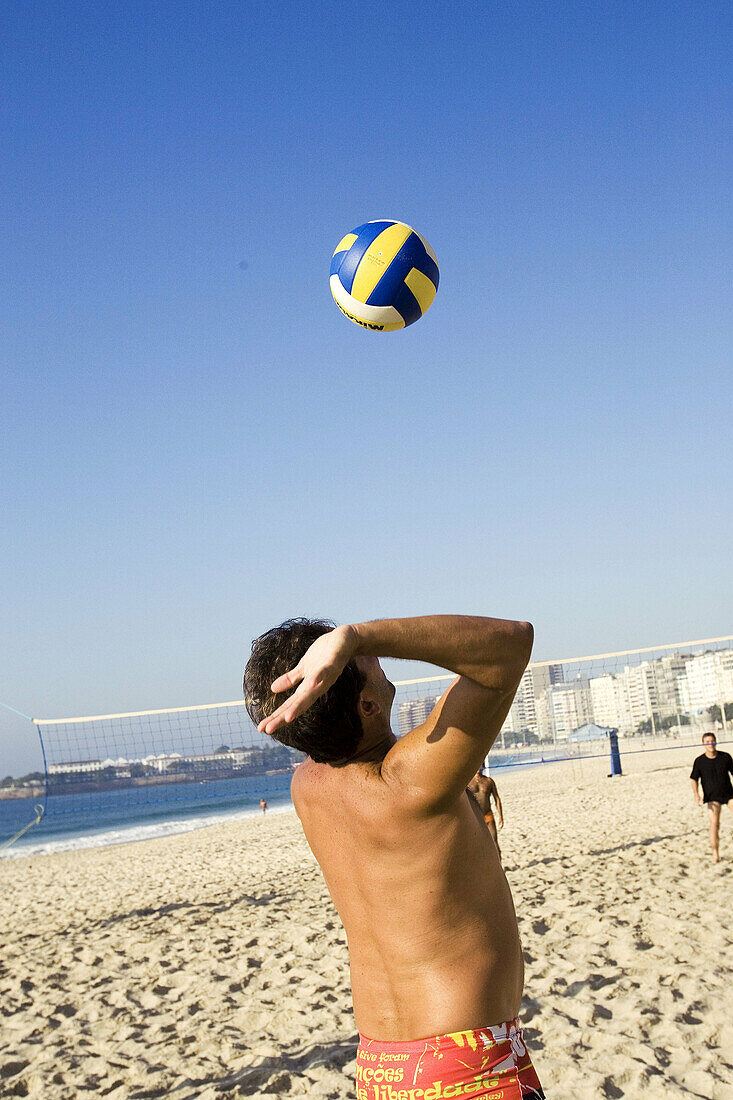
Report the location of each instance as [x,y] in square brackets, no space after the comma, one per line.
[319,668]
[696,791]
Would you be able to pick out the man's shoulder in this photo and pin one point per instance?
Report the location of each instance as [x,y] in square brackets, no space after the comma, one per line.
[307,773]
[304,777]
[313,780]
[312,790]
[360,790]
[697,767]
[486,786]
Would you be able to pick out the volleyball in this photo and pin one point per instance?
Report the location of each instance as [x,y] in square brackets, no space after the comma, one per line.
[384,275]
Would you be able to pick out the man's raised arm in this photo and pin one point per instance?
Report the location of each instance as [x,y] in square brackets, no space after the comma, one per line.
[439,757]
[492,652]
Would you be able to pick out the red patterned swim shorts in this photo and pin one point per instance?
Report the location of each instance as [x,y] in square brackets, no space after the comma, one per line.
[492,1063]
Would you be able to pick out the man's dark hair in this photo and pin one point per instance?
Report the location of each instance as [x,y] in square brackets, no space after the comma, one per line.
[330,730]
[709,734]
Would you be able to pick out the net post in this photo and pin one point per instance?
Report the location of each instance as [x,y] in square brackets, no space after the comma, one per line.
[615,754]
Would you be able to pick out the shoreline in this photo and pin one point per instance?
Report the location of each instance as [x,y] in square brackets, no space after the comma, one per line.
[169,821]
[142,831]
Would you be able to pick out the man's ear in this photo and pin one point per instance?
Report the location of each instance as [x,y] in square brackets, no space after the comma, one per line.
[368,707]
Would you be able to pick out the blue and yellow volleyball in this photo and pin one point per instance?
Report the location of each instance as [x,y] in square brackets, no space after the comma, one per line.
[384,275]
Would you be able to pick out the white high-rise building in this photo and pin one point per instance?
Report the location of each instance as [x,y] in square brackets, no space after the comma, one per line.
[667,671]
[413,712]
[707,680]
[650,691]
[535,681]
[610,703]
[562,708]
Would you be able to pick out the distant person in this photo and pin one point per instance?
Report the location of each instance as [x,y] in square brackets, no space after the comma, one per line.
[483,789]
[436,962]
[263,805]
[713,769]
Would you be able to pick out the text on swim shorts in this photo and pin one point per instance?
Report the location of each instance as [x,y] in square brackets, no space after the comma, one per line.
[436,1091]
[367,1074]
[383,1056]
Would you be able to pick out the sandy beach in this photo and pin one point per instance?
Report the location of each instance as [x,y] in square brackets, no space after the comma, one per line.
[213,963]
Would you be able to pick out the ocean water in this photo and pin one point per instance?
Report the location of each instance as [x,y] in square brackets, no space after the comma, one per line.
[100,818]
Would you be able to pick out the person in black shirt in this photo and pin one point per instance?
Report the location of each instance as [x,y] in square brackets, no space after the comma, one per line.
[713,769]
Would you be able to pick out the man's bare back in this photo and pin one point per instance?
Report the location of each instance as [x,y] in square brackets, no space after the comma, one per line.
[427,910]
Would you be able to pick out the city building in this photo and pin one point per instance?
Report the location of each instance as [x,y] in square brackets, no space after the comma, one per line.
[413,712]
[652,695]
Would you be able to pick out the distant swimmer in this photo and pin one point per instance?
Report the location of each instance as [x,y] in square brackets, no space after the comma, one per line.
[483,789]
[713,769]
[263,805]
[416,879]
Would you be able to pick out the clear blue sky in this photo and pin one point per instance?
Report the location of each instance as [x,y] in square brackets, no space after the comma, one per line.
[197,444]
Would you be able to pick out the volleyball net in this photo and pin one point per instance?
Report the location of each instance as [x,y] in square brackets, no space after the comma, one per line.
[652,698]
[118,769]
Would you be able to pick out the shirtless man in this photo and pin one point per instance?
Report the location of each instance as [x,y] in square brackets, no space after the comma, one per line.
[436,963]
[483,789]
